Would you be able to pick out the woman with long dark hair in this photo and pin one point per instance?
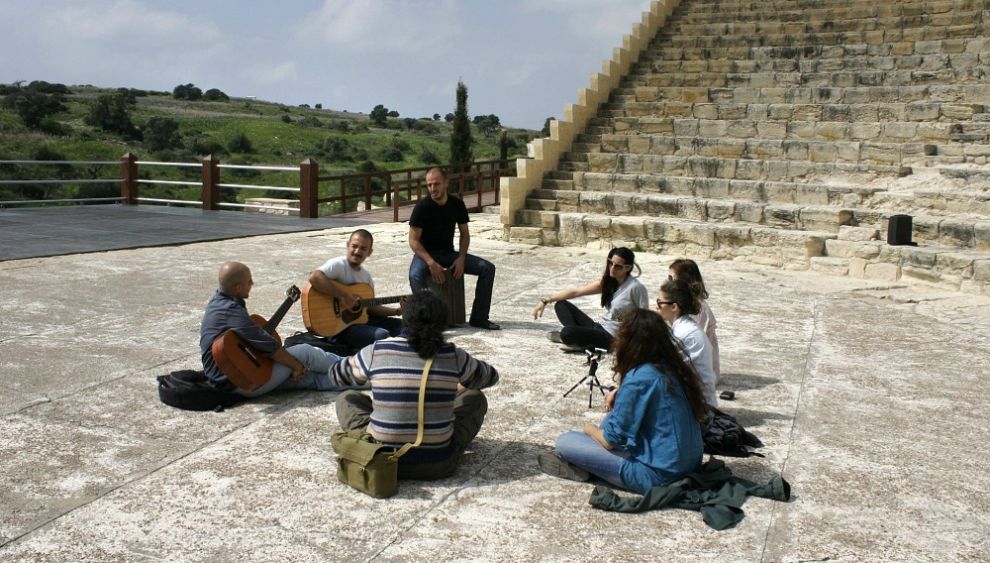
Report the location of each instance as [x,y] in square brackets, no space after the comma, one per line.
[687,271]
[455,406]
[676,305]
[651,435]
[620,292]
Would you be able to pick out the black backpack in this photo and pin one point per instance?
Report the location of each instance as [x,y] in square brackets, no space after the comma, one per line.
[319,342]
[723,435]
[191,390]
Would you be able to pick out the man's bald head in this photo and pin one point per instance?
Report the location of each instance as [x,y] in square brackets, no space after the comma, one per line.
[232,274]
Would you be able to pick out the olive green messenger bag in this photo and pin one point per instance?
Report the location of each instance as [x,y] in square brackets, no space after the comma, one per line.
[368,466]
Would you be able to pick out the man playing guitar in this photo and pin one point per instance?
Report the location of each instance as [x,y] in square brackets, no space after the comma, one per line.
[297,367]
[347,270]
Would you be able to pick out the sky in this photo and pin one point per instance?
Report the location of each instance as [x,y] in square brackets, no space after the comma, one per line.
[522,60]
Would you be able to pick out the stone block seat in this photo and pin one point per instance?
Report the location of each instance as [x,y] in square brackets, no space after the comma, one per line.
[787,133]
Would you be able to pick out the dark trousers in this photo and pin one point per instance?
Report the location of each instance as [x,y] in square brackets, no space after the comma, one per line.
[419,276]
[354,411]
[579,329]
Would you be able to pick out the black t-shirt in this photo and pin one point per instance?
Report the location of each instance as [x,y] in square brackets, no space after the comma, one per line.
[438,222]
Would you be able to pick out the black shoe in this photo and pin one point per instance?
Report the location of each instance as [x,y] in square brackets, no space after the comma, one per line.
[487,325]
[551,464]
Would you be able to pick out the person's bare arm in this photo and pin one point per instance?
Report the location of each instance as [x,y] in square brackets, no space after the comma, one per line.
[596,433]
[590,289]
[323,284]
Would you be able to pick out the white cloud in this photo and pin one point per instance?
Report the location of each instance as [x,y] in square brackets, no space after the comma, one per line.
[584,17]
[128,20]
[402,26]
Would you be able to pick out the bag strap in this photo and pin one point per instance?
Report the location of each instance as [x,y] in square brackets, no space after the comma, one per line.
[420,414]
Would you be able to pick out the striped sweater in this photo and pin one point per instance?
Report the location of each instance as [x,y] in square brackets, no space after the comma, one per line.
[394,370]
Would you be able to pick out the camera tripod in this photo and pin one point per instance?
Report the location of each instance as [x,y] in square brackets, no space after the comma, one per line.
[591,380]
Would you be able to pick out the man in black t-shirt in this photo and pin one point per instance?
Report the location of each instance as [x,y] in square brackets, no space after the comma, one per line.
[431,237]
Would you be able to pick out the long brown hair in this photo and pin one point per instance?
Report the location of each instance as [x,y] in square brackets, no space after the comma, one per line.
[644,338]
[687,270]
[609,285]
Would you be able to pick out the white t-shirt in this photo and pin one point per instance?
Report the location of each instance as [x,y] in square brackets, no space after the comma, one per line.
[699,351]
[630,295]
[337,269]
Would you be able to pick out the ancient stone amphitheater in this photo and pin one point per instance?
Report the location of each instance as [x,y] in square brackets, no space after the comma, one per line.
[782,132]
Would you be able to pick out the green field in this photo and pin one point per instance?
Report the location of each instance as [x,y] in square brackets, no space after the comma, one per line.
[278,135]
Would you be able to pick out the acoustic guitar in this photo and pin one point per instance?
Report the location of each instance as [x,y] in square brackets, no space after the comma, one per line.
[325,315]
[244,366]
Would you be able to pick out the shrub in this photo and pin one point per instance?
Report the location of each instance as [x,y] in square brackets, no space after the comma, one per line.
[392,154]
[240,143]
[187,92]
[110,113]
[286,119]
[207,145]
[161,133]
[429,157]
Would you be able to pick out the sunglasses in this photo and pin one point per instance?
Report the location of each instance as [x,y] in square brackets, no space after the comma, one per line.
[661,303]
[611,264]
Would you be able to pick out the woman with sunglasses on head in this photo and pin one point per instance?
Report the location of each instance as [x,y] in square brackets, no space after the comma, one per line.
[676,304]
[620,292]
[687,271]
[651,435]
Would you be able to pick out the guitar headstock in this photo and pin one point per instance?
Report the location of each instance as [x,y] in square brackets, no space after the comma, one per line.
[293,293]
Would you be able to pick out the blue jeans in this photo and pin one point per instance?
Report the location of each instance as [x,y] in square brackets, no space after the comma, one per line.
[361,335]
[419,277]
[317,376]
[583,451]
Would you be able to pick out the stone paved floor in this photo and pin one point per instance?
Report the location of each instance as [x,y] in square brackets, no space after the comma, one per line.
[869,397]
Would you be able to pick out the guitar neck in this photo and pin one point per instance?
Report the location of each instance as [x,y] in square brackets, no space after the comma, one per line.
[382,300]
[272,323]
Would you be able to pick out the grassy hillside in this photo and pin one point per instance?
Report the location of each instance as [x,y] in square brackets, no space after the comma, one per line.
[276,135]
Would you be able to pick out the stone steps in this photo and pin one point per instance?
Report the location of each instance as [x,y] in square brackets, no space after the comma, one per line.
[660,52]
[873,112]
[967,199]
[908,6]
[942,266]
[630,134]
[756,155]
[764,245]
[933,93]
[642,73]
[956,231]
[725,24]
[815,10]
[971,73]
[976,28]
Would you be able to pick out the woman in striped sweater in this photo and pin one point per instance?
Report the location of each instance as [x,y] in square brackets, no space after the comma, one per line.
[455,406]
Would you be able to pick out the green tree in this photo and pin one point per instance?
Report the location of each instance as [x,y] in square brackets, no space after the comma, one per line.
[449,117]
[487,124]
[34,108]
[110,113]
[546,127]
[379,114]
[187,92]
[215,95]
[436,117]
[161,133]
[460,137]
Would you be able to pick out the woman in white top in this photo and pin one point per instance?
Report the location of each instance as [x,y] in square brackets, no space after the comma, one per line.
[676,305]
[687,271]
[620,291]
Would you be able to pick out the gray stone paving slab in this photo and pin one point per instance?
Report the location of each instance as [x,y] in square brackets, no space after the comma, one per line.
[866,396]
[55,231]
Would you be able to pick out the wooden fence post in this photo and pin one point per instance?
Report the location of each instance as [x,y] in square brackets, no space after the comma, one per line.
[211,183]
[309,188]
[128,179]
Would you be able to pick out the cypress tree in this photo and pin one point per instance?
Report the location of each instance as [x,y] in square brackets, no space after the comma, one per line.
[460,137]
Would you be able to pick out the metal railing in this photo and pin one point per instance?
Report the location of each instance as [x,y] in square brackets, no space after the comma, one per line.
[59,182]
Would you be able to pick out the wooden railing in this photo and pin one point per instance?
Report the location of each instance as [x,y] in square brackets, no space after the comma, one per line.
[395,188]
[384,188]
